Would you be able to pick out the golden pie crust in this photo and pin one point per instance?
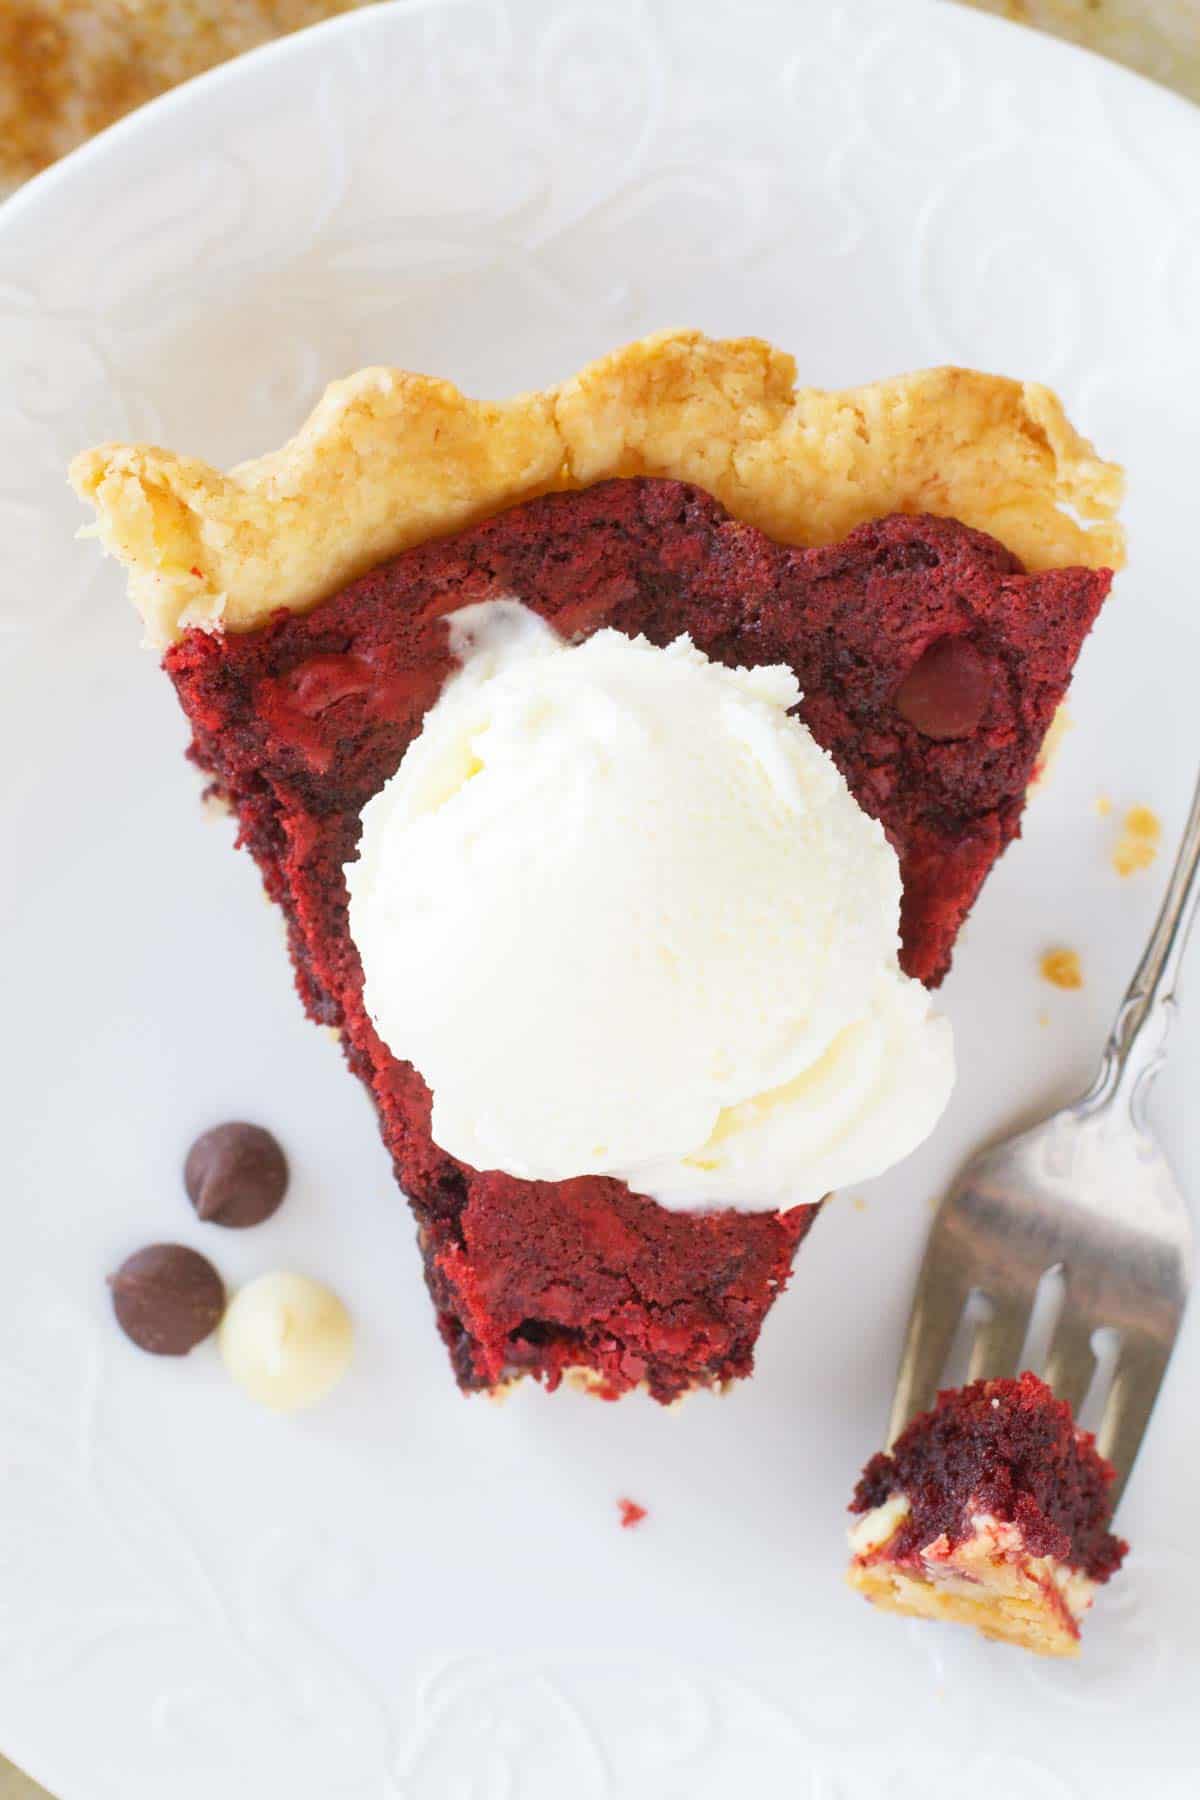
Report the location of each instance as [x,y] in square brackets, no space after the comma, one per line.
[389,459]
[989,1581]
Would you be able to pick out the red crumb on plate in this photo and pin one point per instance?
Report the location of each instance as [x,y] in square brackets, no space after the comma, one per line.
[631,1514]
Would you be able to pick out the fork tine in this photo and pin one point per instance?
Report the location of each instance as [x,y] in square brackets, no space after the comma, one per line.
[1141,1364]
[936,1309]
[999,1340]
[1071,1362]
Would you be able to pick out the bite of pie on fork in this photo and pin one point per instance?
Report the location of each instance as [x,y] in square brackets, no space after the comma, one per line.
[991,1506]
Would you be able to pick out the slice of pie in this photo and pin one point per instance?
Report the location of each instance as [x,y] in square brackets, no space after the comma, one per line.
[992,1510]
[875,541]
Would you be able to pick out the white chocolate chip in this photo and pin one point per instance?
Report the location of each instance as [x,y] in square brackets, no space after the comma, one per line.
[286,1340]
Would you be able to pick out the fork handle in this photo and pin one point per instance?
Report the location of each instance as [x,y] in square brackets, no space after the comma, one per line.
[1137,1044]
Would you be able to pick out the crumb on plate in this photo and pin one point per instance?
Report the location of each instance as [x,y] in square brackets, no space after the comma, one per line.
[1137,846]
[631,1514]
[1061,968]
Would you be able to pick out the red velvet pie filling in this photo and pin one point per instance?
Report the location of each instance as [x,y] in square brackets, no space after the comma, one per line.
[931,667]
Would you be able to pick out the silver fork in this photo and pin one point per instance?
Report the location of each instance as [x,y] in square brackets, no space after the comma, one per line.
[1085,1203]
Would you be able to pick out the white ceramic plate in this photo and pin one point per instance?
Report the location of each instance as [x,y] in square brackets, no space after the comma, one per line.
[404,1594]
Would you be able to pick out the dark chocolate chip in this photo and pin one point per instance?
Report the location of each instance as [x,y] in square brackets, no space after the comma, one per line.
[167,1298]
[236,1175]
[946,692]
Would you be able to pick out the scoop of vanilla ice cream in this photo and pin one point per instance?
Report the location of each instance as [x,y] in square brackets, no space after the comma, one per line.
[624,916]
